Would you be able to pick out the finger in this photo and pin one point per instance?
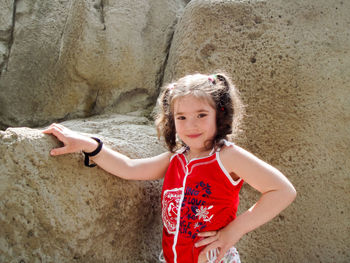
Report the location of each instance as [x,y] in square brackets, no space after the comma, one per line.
[211,246]
[221,255]
[207,234]
[48,129]
[206,241]
[55,131]
[58,126]
[59,151]
[209,255]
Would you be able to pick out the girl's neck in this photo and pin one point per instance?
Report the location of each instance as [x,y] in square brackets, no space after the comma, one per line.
[194,154]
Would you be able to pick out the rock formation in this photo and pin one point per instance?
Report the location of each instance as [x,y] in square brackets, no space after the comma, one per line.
[54,209]
[66,59]
[291,62]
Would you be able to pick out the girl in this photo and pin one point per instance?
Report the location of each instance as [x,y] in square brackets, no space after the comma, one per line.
[203,172]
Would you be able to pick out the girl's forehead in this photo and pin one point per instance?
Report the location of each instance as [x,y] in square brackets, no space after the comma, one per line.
[191,102]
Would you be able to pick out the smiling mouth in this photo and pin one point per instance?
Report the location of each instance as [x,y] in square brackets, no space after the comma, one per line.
[194,135]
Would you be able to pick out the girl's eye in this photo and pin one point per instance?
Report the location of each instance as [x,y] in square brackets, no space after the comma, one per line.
[181,118]
[202,115]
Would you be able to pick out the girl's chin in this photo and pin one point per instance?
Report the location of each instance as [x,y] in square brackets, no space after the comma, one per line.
[195,146]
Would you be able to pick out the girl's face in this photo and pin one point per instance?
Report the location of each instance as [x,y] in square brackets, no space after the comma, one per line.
[195,121]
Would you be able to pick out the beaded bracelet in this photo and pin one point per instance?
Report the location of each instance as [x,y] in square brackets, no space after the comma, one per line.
[87,155]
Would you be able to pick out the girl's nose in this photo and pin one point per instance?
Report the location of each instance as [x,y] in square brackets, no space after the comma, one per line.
[192,122]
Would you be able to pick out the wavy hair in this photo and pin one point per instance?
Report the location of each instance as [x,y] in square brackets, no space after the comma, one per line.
[217,90]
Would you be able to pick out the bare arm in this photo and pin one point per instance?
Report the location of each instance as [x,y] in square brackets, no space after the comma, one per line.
[132,169]
[277,193]
[109,160]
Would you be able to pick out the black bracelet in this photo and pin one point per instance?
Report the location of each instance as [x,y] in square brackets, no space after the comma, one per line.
[87,155]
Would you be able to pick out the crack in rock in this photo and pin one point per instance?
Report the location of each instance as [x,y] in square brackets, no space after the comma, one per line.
[161,71]
[63,32]
[99,6]
[4,65]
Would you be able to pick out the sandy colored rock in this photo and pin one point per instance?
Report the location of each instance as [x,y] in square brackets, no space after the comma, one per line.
[66,59]
[6,10]
[54,209]
[291,62]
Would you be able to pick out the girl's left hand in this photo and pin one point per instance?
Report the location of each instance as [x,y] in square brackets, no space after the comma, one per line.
[222,240]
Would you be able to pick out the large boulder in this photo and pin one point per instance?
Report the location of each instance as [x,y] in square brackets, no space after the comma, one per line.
[63,59]
[54,209]
[5,30]
[291,62]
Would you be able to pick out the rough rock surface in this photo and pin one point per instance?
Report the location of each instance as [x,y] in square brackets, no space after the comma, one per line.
[67,59]
[54,209]
[5,30]
[291,62]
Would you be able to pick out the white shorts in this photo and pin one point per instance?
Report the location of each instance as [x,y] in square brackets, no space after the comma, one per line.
[231,256]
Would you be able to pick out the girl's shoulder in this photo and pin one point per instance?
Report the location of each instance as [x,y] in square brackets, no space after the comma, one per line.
[233,156]
[231,151]
[227,148]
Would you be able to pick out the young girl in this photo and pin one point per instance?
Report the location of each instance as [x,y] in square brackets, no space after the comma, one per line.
[203,172]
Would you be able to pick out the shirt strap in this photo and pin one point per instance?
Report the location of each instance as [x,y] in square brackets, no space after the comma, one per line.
[227,143]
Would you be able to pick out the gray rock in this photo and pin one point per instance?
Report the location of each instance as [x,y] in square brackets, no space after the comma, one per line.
[291,62]
[68,59]
[6,12]
[54,209]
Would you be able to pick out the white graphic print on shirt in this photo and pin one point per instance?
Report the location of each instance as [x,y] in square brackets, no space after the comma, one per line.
[170,206]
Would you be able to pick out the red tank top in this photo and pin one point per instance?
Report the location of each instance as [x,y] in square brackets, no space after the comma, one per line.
[197,196]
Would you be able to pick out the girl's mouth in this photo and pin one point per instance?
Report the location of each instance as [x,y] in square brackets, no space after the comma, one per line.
[194,135]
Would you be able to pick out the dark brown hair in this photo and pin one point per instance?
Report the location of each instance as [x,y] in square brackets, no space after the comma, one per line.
[216,89]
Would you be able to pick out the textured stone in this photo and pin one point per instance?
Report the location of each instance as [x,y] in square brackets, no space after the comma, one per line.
[54,209]
[6,11]
[66,59]
[291,62]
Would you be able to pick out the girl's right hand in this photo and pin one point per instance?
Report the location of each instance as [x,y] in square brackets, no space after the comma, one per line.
[73,141]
